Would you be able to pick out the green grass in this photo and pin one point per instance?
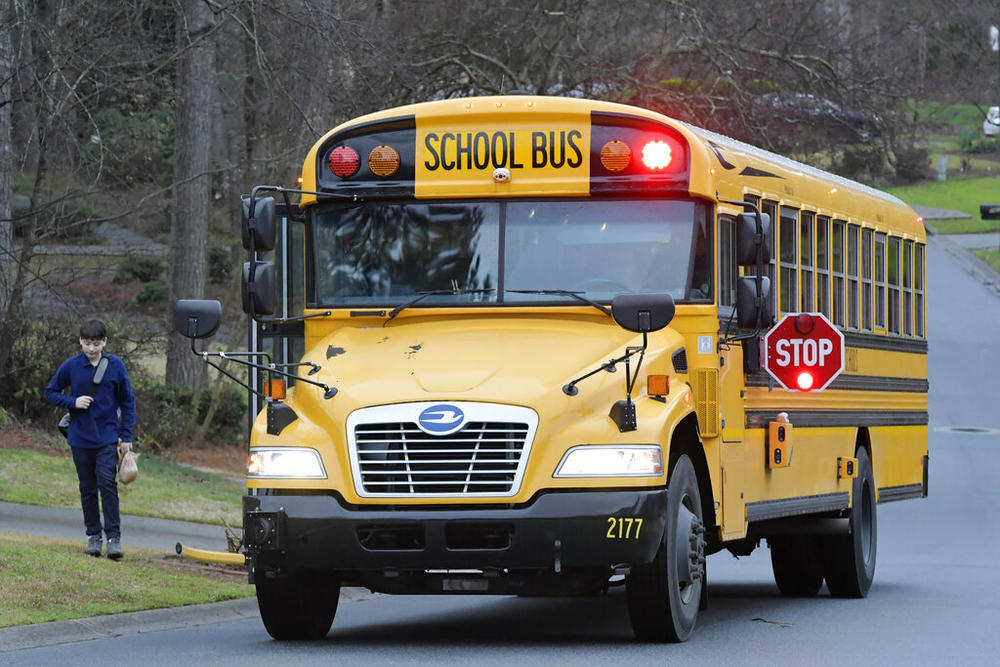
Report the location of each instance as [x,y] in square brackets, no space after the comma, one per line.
[163,489]
[49,580]
[961,195]
[991,257]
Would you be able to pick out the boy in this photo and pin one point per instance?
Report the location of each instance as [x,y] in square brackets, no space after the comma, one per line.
[103,417]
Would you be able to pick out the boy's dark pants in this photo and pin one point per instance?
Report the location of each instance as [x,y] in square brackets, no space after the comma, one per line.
[96,469]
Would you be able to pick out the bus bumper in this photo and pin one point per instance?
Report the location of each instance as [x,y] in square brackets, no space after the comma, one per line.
[556,532]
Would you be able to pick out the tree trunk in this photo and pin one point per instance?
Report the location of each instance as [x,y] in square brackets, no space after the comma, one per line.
[6,154]
[192,182]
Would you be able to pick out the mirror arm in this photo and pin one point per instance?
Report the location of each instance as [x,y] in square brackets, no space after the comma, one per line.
[570,388]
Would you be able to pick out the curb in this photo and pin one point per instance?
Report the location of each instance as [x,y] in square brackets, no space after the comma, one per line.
[22,637]
[968,260]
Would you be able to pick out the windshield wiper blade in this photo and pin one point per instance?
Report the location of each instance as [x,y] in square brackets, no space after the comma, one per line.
[438,292]
[565,292]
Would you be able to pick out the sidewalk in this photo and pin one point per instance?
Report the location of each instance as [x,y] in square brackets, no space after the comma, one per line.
[137,531]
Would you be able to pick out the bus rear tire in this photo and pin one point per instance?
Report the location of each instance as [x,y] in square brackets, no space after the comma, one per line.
[849,560]
[300,605]
[664,596]
[797,564]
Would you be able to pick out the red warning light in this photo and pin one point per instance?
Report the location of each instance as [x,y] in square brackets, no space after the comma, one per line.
[804,380]
[656,155]
[344,161]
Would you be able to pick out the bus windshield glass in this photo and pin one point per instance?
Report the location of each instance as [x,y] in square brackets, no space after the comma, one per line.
[492,251]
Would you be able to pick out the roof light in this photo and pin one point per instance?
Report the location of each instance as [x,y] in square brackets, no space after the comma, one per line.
[344,161]
[383,160]
[615,155]
[804,323]
[656,154]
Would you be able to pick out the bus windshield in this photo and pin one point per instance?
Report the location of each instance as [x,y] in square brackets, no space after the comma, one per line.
[485,251]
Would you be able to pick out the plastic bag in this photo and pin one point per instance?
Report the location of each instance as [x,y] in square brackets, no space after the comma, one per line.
[64,424]
[128,466]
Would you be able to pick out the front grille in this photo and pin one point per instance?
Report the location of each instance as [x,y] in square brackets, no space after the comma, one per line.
[399,459]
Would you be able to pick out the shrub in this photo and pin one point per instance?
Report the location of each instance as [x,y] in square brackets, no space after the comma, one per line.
[143,269]
[154,292]
[166,412]
[220,265]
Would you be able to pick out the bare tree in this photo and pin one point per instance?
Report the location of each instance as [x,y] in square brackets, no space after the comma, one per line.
[6,154]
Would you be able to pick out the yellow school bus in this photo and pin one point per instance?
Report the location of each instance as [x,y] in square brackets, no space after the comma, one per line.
[512,345]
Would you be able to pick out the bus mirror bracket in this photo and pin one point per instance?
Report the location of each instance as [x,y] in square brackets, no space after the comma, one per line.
[641,313]
[753,293]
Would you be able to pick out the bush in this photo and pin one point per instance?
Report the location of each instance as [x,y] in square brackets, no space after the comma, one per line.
[154,292]
[912,164]
[220,265]
[133,147]
[143,269]
[165,413]
[41,346]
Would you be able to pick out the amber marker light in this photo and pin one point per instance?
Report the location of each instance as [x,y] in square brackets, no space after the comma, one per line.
[383,160]
[657,385]
[275,389]
[615,155]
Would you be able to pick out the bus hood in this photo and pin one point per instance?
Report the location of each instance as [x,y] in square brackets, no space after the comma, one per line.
[508,360]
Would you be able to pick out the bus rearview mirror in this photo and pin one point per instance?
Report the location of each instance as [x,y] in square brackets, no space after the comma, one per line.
[264,223]
[258,294]
[642,313]
[746,238]
[197,318]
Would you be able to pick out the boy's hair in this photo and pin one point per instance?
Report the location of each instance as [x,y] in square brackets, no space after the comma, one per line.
[93,330]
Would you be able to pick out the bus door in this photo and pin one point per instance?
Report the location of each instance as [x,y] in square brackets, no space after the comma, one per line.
[282,341]
[732,389]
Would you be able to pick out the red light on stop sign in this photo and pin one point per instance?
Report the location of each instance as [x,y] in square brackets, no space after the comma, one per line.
[804,352]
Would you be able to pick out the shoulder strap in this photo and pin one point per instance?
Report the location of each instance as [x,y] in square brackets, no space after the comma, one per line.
[102,368]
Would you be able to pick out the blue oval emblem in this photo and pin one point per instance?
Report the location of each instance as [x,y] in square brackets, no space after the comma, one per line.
[442,419]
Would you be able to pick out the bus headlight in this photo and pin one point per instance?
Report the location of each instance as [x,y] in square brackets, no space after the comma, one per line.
[611,461]
[297,462]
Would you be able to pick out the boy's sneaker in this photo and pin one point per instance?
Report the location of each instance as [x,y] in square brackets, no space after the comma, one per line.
[93,546]
[115,549]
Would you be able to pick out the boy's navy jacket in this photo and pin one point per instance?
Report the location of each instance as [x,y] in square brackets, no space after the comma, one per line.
[100,424]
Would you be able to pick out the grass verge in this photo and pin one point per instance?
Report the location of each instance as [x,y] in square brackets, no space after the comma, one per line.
[960,195]
[50,580]
[991,257]
[163,489]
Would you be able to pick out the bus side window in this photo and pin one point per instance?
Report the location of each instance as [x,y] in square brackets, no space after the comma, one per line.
[807,285]
[918,290]
[880,296]
[866,279]
[823,265]
[727,261]
[853,285]
[908,288]
[788,248]
[893,275]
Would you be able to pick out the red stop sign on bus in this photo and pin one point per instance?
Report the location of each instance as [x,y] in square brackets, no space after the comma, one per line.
[804,352]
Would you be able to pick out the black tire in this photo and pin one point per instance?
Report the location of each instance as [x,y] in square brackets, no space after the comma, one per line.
[299,605]
[664,596]
[797,563]
[849,560]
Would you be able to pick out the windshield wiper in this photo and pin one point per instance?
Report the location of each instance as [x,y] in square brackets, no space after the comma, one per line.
[565,292]
[439,292]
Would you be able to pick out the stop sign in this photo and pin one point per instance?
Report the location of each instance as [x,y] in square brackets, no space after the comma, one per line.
[804,352]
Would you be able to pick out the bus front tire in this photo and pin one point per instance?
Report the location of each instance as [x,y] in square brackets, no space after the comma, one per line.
[797,564]
[849,560]
[300,605]
[664,596]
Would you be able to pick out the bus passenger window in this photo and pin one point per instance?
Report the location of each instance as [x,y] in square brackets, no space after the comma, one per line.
[822,265]
[880,323]
[853,288]
[918,290]
[788,231]
[866,279]
[893,283]
[808,304]
[908,288]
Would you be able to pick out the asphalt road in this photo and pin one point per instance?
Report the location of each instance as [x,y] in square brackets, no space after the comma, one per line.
[935,600]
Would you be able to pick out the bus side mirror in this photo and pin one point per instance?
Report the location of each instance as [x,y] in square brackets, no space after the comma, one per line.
[747,238]
[258,294]
[642,313]
[262,223]
[746,302]
[197,318]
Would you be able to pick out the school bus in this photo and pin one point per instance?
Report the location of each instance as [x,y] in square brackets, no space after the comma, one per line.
[512,345]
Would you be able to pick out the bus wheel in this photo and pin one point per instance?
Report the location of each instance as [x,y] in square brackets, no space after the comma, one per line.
[849,560]
[300,605]
[797,564]
[664,596]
